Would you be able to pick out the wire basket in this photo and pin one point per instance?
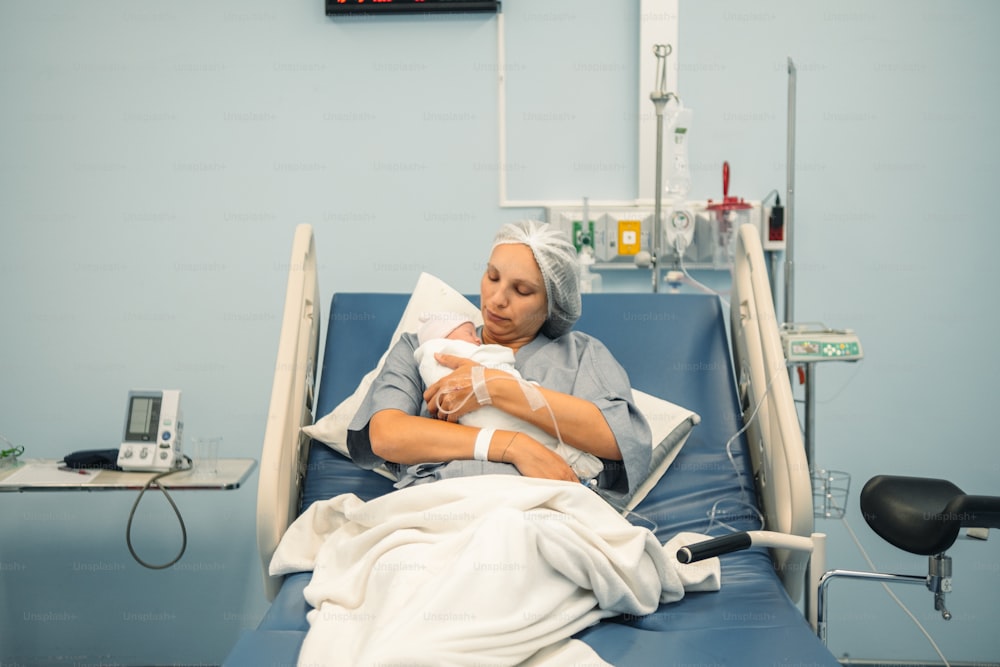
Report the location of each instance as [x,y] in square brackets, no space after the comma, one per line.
[830,490]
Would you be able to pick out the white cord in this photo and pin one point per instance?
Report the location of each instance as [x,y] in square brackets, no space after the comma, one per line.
[680,247]
[840,389]
[530,392]
[888,590]
[743,501]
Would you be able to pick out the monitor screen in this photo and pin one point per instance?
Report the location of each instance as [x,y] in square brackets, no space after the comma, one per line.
[143,419]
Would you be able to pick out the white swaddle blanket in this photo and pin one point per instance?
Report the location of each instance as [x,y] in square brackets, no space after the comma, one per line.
[498,570]
[585,465]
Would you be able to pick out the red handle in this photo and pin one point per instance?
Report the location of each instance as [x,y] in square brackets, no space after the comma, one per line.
[725,179]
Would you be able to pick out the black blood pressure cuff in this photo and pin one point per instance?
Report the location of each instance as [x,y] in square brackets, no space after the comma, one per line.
[102,459]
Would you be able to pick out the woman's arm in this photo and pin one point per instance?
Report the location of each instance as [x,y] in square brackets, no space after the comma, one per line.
[580,422]
[407,439]
[389,426]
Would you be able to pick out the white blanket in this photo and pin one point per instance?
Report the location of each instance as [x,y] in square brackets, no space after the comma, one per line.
[471,571]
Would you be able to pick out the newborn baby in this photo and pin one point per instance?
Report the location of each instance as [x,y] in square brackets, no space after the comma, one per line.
[453,333]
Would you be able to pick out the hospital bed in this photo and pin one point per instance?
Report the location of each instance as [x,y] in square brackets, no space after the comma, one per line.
[686,349]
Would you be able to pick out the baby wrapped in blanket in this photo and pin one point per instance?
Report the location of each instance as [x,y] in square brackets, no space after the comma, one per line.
[453,333]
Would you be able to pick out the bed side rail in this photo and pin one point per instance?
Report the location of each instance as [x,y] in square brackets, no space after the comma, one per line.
[285,451]
[781,470]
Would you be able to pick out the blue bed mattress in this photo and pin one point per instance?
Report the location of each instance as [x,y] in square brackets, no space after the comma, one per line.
[673,346]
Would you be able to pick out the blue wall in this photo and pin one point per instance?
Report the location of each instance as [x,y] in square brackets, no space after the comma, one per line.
[897,158]
[156,158]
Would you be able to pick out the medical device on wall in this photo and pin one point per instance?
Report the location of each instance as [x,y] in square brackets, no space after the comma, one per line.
[618,233]
[583,239]
[806,343]
[726,217]
[679,232]
[589,280]
[621,234]
[673,234]
[153,433]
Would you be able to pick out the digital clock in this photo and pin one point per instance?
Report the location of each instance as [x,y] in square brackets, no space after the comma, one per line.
[337,7]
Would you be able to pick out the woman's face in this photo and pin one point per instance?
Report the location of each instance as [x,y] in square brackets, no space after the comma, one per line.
[512,294]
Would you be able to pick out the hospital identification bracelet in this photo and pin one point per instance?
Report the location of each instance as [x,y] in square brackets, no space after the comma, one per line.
[482,448]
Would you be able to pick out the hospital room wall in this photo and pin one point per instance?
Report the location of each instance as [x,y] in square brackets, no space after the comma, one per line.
[896,157]
[156,160]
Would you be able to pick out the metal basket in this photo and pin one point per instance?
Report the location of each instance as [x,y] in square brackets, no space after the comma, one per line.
[830,490]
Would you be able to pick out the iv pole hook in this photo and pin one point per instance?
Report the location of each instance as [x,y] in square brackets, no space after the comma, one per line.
[661,51]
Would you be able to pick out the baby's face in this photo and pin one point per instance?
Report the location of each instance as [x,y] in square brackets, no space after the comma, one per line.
[466,331]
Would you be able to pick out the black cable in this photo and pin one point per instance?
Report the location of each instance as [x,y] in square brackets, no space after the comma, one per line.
[131,515]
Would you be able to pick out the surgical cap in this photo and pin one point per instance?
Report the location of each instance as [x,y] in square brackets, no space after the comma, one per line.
[557,260]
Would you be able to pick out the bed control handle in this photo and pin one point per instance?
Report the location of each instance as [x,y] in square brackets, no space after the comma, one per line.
[714,547]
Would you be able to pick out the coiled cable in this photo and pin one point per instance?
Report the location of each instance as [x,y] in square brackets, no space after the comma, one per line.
[154,480]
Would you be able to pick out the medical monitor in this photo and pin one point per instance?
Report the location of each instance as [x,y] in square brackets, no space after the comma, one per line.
[153,432]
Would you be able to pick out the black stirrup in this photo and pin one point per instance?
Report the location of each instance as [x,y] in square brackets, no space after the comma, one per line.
[922,515]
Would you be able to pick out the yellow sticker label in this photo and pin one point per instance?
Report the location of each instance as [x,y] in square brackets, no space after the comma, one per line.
[629,237]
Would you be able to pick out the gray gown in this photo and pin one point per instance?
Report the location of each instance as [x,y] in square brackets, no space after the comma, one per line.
[574,363]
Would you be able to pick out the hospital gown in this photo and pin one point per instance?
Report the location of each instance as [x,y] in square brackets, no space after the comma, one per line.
[585,466]
[574,363]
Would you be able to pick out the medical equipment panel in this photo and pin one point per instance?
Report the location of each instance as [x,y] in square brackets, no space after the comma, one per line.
[153,432]
[620,234]
[804,343]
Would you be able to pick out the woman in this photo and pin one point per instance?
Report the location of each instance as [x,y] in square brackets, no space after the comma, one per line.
[530,298]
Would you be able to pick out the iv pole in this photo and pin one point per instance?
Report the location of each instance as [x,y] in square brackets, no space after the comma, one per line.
[809,368]
[809,596]
[790,199]
[660,98]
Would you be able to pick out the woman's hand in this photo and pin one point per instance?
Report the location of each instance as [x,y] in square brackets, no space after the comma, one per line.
[452,396]
[533,459]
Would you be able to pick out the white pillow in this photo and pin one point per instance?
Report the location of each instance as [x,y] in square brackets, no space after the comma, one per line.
[670,424]
[430,295]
